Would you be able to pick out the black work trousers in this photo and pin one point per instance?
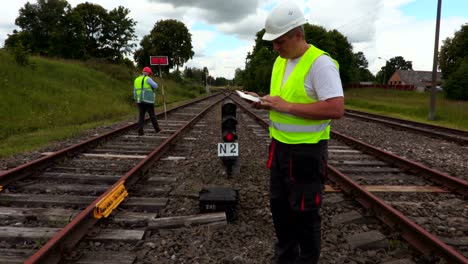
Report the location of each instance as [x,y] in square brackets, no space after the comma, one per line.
[143,108]
[298,173]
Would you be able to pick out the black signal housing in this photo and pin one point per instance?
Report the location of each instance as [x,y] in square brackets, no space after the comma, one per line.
[229,121]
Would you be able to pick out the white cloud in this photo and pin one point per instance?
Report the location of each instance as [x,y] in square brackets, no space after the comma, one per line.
[223,63]
[355,18]
[376,27]
[214,11]
[200,40]
[247,27]
[399,35]
[8,14]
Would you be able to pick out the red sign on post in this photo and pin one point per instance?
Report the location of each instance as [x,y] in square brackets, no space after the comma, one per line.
[159,60]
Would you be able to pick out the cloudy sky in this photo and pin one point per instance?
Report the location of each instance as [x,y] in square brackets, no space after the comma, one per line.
[223,31]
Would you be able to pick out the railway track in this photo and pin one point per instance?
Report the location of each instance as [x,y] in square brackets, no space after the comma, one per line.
[52,202]
[425,206]
[450,134]
[158,222]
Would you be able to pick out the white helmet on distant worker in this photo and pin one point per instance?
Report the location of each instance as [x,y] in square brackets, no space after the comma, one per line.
[284,17]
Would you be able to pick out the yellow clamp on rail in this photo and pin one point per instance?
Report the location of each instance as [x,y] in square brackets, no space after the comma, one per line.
[105,206]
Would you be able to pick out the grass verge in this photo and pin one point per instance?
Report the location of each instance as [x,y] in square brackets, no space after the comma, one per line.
[51,100]
[409,105]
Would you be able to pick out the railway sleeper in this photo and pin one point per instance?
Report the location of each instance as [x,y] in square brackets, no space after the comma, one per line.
[43,234]
[75,201]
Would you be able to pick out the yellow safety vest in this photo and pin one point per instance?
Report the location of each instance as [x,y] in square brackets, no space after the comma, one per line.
[148,94]
[288,128]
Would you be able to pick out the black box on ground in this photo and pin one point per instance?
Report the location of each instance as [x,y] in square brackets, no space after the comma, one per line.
[218,199]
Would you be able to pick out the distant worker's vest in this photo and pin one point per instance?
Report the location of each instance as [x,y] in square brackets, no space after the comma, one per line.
[288,128]
[145,95]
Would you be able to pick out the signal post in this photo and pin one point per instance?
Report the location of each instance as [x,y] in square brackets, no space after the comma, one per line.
[228,151]
[161,60]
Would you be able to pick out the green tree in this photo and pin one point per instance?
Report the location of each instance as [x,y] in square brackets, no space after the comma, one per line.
[258,65]
[339,48]
[456,86]
[52,28]
[118,34]
[176,75]
[395,63]
[361,60]
[42,23]
[93,17]
[319,35]
[205,74]
[361,63]
[195,74]
[142,55]
[364,75]
[258,70]
[72,40]
[453,62]
[167,38]
[221,81]
[21,55]
[188,73]
[453,51]
[22,39]
[238,77]
[211,80]
[342,51]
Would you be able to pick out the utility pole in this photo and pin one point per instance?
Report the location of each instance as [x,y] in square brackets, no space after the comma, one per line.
[434,65]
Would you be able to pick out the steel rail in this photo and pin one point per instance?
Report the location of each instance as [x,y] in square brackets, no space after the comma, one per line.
[456,185]
[417,236]
[422,128]
[38,165]
[71,234]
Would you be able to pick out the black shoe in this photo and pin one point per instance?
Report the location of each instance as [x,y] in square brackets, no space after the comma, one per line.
[157,130]
[285,255]
[140,132]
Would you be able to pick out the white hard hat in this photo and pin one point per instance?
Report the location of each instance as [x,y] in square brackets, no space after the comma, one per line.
[283,18]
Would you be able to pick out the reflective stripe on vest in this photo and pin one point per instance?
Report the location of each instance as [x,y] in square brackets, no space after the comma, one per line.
[137,87]
[288,128]
[299,128]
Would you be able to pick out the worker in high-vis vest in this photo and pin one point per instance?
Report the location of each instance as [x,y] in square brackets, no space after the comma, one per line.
[143,93]
[305,94]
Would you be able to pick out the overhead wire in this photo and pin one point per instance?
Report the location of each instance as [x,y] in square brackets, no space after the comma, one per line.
[356,22]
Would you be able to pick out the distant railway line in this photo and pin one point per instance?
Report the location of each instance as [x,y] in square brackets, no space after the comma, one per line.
[450,134]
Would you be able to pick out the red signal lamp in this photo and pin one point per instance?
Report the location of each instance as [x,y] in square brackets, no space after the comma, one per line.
[229,137]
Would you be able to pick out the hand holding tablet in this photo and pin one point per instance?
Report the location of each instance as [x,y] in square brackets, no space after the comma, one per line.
[248,96]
